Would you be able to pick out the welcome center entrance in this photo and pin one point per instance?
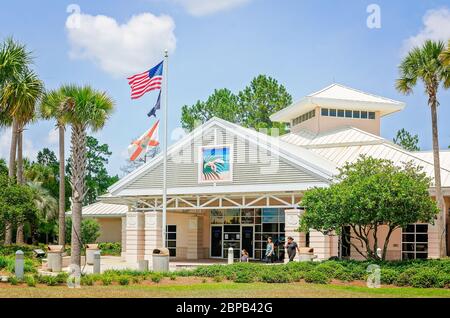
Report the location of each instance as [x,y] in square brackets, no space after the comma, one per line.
[246,229]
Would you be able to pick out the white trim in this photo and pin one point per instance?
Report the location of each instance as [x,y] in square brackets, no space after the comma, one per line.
[222,189]
[261,200]
[308,160]
[382,104]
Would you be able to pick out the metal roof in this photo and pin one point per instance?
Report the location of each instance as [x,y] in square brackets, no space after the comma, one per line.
[339,96]
[347,144]
[103,209]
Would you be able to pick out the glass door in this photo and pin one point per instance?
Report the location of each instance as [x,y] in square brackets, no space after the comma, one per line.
[216,241]
[247,239]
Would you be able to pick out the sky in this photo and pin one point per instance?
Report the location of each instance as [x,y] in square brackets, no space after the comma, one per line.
[305,45]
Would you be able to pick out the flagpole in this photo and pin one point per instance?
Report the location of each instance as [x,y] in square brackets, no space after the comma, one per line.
[164,213]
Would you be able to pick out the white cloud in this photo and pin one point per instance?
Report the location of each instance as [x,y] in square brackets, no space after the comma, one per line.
[53,137]
[436,26]
[205,7]
[121,49]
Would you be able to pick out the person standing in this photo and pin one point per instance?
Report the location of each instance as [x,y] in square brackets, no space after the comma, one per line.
[270,248]
[244,256]
[292,248]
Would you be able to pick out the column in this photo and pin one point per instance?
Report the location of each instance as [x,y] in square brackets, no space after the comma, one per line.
[292,222]
[153,233]
[124,237]
[193,238]
[134,237]
[321,244]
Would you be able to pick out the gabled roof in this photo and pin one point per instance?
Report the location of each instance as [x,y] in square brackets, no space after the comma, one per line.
[101,209]
[303,158]
[444,156]
[338,96]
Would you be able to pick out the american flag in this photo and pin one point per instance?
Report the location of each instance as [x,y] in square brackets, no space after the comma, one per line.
[145,82]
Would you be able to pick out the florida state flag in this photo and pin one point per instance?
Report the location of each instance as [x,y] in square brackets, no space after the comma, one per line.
[139,147]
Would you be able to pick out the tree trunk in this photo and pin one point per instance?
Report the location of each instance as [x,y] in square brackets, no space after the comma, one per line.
[432,101]
[11,173]
[78,171]
[20,179]
[19,233]
[13,149]
[62,190]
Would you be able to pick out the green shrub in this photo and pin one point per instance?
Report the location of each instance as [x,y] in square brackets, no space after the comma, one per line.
[41,279]
[218,278]
[297,276]
[389,276]
[13,280]
[90,230]
[243,277]
[110,248]
[124,280]
[10,250]
[404,278]
[51,281]
[275,277]
[444,280]
[30,281]
[87,280]
[316,277]
[344,275]
[173,277]
[329,268]
[106,280]
[62,277]
[136,279]
[426,278]
[156,278]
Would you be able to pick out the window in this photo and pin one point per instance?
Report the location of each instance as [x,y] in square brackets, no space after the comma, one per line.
[347,113]
[266,222]
[171,239]
[304,117]
[333,112]
[415,241]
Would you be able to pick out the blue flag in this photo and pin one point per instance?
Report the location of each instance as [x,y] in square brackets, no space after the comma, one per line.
[152,112]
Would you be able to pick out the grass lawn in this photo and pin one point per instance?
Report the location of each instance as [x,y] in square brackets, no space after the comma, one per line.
[219,290]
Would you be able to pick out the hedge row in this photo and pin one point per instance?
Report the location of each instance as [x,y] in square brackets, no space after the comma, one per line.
[8,263]
[421,274]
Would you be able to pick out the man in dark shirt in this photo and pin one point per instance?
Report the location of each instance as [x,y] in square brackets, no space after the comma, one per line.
[292,248]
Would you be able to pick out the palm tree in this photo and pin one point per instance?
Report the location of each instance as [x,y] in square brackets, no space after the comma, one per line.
[21,95]
[445,56]
[56,104]
[14,59]
[91,110]
[423,63]
[46,205]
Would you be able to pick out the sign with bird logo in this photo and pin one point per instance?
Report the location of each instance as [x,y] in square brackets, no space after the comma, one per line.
[215,164]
